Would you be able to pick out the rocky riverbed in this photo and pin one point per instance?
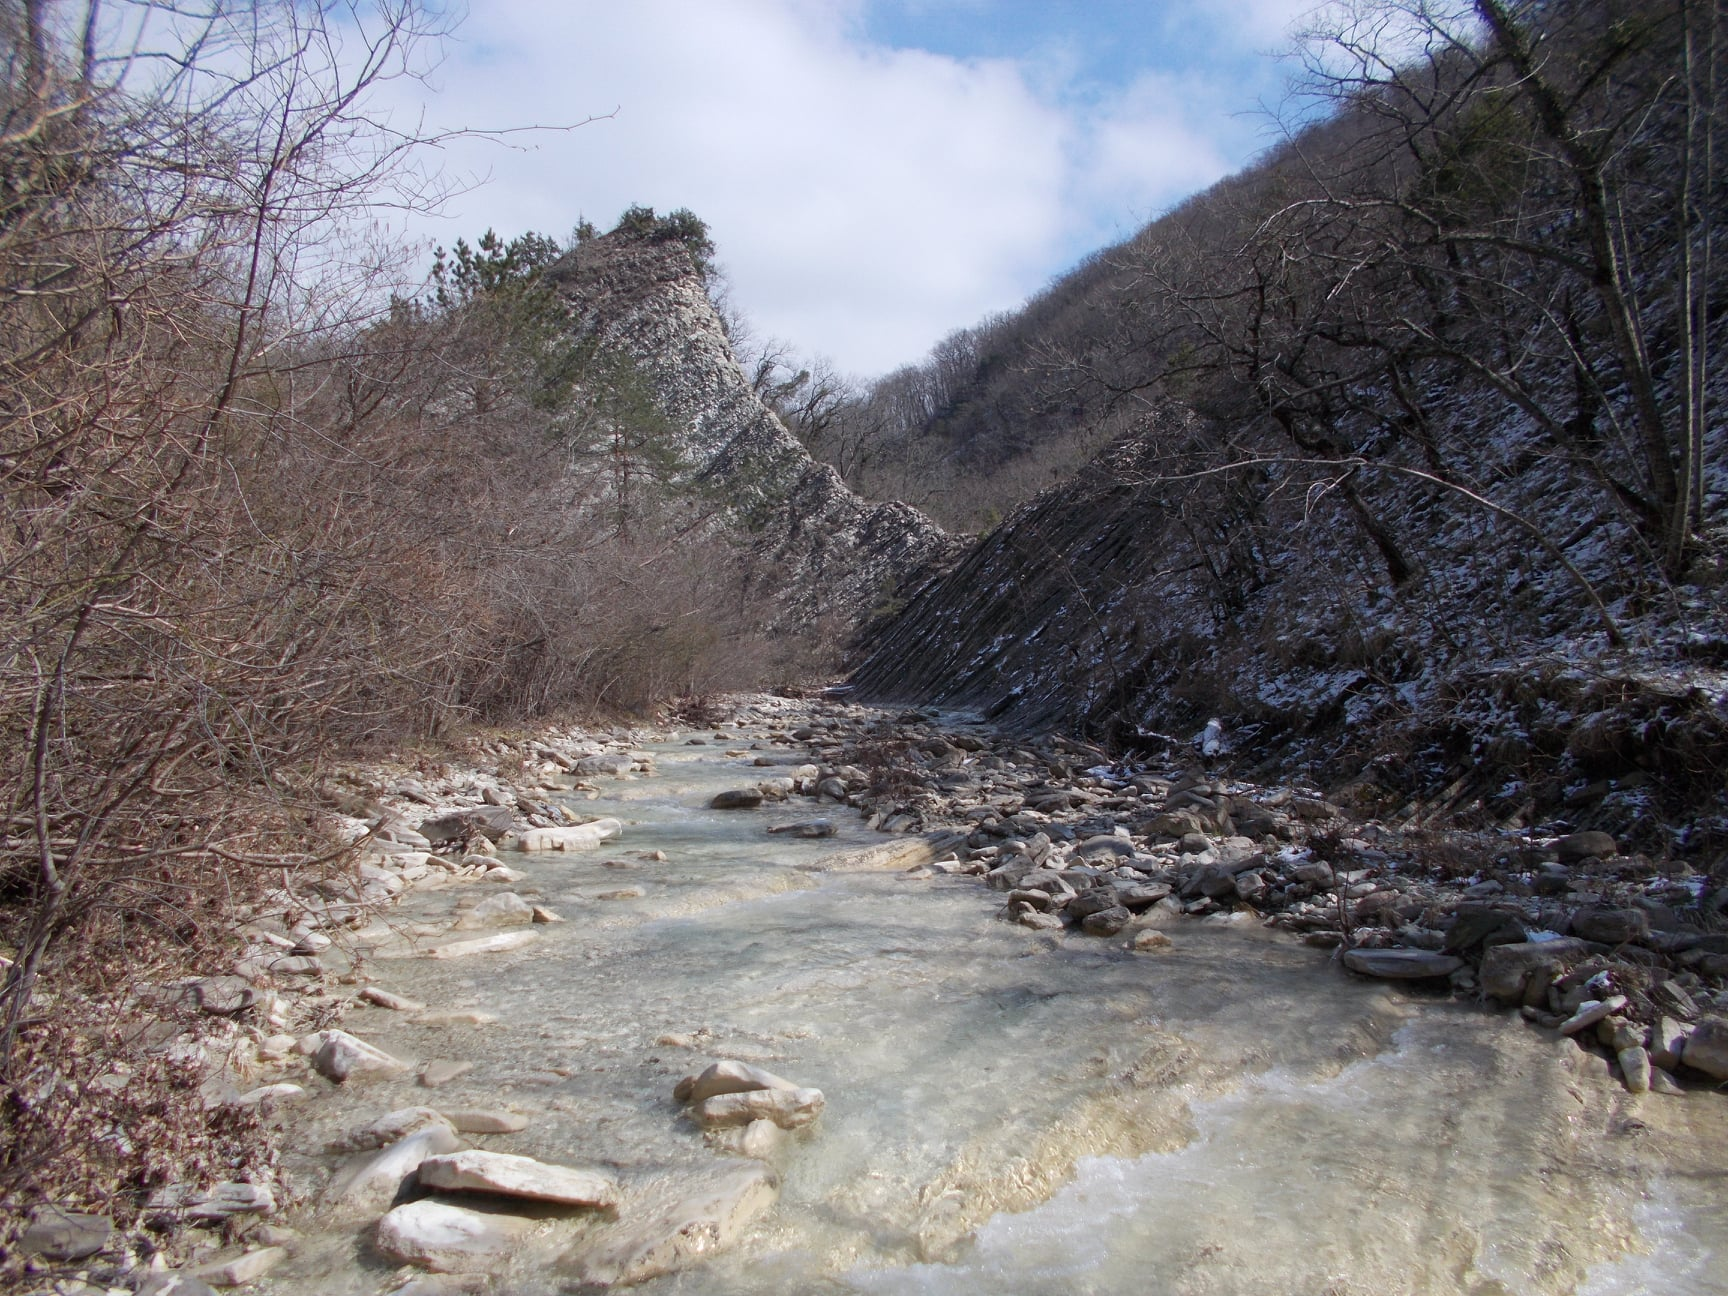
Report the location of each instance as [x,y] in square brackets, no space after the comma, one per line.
[815,997]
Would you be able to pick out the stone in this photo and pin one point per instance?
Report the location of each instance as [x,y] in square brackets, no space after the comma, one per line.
[1668,1042]
[727,1077]
[1590,1012]
[502,943]
[787,1108]
[387,1129]
[444,1285]
[1401,964]
[544,915]
[486,1122]
[762,1139]
[807,828]
[1105,846]
[1578,846]
[372,1181]
[341,1057]
[62,1235]
[1611,926]
[1106,922]
[173,1283]
[269,1096]
[1634,1068]
[223,996]
[1476,926]
[674,1224]
[449,1239]
[579,837]
[1507,969]
[1150,941]
[244,1269]
[622,893]
[394,1002]
[441,1071]
[209,1206]
[1707,1048]
[736,799]
[1039,921]
[506,1175]
[505,909]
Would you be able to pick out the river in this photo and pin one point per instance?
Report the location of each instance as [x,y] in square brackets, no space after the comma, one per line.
[1013,1111]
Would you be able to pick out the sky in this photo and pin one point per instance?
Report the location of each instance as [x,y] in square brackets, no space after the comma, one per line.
[875,173]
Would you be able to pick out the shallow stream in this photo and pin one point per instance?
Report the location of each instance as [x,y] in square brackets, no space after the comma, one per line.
[1019,1112]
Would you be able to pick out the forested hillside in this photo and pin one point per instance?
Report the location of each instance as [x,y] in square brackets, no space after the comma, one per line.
[1424,459]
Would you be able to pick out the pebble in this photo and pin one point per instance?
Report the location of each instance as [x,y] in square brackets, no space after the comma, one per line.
[486,1122]
[383,998]
[440,1072]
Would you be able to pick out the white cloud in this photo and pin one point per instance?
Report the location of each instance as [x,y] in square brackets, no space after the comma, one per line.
[865,200]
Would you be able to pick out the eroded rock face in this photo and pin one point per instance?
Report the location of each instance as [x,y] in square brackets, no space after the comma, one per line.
[824,550]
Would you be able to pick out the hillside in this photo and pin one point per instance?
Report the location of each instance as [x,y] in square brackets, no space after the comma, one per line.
[1421,486]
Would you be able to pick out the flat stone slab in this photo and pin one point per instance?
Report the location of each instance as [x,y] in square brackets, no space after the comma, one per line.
[502,943]
[578,838]
[1401,964]
[518,1176]
[65,1235]
[449,1239]
[675,1224]
[241,1270]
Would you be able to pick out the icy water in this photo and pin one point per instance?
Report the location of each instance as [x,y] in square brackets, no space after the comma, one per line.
[1016,1112]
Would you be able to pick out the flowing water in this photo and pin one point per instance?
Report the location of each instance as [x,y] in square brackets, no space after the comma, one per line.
[1016,1112]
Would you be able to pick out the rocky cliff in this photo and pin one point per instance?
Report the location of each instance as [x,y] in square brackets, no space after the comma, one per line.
[823,550]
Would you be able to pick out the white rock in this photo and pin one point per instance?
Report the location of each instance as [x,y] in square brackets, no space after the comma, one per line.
[486,1122]
[502,943]
[787,1108]
[395,1002]
[449,1239]
[518,1176]
[371,1181]
[245,1269]
[581,837]
[342,1056]
[727,1077]
[506,909]
[271,1095]
[388,1128]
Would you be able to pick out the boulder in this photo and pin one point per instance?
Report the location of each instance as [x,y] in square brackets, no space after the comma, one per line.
[1507,969]
[1106,922]
[449,1239]
[1578,846]
[506,909]
[517,1176]
[578,837]
[807,828]
[502,943]
[787,1108]
[342,1057]
[1609,926]
[387,1129]
[736,799]
[61,1235]
[1401,964]
[371,1181]
[670,1226]
[1707,1048]
[727,1077]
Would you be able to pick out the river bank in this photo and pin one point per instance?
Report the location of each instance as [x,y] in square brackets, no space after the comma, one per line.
[1015,1095]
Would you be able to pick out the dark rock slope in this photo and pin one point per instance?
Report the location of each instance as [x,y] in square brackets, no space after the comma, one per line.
[1138,602]
[824,550]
